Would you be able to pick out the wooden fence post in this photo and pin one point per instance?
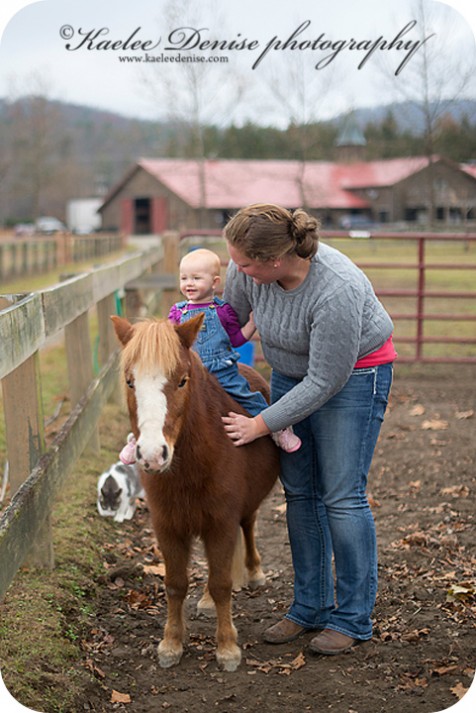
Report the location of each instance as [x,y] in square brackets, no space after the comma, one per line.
[25,439]
[80,364]
[107,339]
[169,266]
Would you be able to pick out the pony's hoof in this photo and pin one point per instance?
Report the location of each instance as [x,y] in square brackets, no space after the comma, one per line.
[206,607]
[168,657]
[256,580]
[229,660]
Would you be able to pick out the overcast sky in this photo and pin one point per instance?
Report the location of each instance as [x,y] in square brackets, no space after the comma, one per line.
[59,40]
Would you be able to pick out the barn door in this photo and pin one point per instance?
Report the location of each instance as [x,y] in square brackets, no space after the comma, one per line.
[127,216]
[160,216]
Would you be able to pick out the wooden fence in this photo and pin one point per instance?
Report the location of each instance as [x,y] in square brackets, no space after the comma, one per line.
[27,322]
[41,254]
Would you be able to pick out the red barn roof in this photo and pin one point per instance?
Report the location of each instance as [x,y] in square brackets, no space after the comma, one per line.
[235,183]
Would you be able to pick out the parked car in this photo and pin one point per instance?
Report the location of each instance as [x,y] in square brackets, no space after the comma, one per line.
[24,230]
[47,225]
[356,222]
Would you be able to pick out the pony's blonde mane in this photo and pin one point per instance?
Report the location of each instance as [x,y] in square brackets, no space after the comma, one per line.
[155,343]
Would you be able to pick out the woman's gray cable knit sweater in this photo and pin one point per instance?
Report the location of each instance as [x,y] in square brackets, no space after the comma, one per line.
[315,332]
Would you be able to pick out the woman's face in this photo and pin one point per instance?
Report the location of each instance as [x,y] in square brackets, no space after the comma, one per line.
[262,273]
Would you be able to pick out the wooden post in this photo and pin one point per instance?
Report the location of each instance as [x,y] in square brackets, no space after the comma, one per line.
[80,364]
[107,339]
[25,439]
[170,265]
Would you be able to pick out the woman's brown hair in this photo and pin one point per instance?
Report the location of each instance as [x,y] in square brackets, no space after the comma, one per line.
[264,231]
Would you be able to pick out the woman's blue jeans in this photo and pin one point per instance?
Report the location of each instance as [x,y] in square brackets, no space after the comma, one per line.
[328,514]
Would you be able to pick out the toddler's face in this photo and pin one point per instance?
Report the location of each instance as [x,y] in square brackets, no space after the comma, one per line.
[197,282]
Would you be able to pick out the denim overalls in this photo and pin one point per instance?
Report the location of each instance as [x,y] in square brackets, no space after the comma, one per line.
[217,354]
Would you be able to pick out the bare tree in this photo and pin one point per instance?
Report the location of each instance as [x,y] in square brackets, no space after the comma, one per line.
[194,94]
[441,72]
[300,93]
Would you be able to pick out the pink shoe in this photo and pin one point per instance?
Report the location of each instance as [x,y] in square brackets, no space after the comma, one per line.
[128,453]
[287,440]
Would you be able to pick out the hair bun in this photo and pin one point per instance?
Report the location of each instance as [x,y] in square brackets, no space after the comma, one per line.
[304,230]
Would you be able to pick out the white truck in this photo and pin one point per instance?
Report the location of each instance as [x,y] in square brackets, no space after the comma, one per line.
[82,216]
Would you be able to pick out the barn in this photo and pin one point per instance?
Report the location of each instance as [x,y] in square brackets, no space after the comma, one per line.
[177,194]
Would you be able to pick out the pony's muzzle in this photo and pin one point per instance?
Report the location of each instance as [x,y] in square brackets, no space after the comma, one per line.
[156,459]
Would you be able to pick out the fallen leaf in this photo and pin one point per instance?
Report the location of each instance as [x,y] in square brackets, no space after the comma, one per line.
[434,425]
[417,538]
[138,600]
[417,410]
[157,569]
[460,592]
[298,662]
[117,697]
[456,491]
[459,690]
[461,415]
[415,635]
[443,670]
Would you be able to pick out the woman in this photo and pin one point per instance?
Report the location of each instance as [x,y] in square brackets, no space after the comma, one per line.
[329,343]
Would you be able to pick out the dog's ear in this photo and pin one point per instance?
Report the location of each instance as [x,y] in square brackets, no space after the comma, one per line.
[123,328]
[188,330]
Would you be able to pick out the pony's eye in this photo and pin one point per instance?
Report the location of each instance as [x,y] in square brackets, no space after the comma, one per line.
[182,382]
[130,383]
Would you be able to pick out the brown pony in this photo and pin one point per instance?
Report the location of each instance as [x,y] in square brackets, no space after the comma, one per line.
[196,481]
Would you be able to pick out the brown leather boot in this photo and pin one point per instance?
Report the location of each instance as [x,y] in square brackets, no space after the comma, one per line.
[284,631]
[331,643]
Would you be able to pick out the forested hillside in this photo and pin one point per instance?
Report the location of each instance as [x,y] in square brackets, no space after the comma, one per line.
[51,152]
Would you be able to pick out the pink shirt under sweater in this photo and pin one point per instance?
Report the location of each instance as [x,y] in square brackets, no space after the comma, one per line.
[384,355]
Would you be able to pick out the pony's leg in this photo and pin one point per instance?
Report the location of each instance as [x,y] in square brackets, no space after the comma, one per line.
[239,578]
[176,555]
[219,554]
[256,576]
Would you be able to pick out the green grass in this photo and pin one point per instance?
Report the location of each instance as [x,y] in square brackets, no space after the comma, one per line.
[33,283]
[45,615]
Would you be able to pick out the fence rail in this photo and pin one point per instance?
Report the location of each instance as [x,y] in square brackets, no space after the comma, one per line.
[32,256]
[420,292]
[27,322]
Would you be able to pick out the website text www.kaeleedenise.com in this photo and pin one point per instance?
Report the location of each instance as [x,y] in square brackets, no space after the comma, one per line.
[170,58]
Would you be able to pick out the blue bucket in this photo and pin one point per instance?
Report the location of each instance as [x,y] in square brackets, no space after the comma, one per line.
[247,353]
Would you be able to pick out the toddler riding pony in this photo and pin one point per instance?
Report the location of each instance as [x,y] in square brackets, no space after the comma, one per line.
[197,483]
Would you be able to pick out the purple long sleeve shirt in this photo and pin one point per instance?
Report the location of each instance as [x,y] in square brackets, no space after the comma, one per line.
[226,314]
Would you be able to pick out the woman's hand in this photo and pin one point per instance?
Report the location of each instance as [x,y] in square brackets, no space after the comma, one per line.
[244,429]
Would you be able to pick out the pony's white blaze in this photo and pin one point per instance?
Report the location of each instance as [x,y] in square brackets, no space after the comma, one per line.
[154,453]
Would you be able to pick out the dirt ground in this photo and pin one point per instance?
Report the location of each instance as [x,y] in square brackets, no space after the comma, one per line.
[422,655]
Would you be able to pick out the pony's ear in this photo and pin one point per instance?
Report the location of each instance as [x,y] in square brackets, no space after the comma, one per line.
[123,329]
[188,330]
